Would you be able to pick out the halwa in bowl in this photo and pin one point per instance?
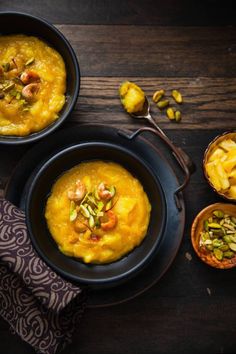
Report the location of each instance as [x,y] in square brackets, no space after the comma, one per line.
[39,78]
[96,255]
[97,212]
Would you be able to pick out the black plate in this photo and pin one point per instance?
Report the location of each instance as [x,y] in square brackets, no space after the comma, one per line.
[18,185]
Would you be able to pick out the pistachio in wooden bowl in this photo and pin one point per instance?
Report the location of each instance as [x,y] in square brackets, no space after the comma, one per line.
[219,165]
[213,235]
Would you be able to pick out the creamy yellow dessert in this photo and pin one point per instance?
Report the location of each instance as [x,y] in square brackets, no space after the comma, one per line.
[32,85]
[97,212]
[132,97]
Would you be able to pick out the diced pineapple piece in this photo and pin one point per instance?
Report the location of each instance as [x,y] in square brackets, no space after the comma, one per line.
[224,181]
[227,144]
[213,176]
[232,177]
[232,192]
[221,166]
[217,154]
[231,154]
[229,165]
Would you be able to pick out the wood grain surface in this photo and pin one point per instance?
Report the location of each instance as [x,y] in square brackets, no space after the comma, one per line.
[153,51]
[182,44]
[138,12]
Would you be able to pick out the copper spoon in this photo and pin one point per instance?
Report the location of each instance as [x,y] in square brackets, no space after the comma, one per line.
[145,114]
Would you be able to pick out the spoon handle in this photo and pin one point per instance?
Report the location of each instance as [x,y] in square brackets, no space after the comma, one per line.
[185,157]
[152,121]
[180,160]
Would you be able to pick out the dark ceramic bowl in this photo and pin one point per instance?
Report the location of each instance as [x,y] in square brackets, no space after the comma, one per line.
[94,275]
[19,23]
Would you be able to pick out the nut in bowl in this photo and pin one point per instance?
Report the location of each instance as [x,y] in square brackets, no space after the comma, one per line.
[213,235]
[219,165]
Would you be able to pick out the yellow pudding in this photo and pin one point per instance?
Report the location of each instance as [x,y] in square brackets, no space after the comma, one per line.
[97,212]
[32,85]
[132,97]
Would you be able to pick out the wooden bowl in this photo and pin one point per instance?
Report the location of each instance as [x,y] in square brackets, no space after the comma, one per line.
[197,227]
[208,151]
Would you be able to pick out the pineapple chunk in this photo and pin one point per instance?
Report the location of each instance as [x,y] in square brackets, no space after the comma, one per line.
[232,177]
[227,144]
[232,192]
[229,165]
[231,154]
[213,176]
[217,154]
[224,181]
[221,167]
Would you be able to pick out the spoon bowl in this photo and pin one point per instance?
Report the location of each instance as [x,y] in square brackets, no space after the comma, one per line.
[145,114]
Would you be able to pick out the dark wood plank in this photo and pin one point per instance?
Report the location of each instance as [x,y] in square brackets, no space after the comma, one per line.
[152,51]
[168,12]
[208,104]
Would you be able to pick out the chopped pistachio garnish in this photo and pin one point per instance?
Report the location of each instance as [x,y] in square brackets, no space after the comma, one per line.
[8,87]
[91,208]
[18,95]
[216,235]
[6,67]
[73,212]
[30,61]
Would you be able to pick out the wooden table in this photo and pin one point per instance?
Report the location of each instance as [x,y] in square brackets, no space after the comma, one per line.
[168,44]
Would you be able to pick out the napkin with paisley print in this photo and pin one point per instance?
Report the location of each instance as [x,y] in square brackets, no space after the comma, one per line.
[39,305]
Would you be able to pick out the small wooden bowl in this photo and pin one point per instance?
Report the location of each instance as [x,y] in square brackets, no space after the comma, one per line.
[208,151]
[198,226]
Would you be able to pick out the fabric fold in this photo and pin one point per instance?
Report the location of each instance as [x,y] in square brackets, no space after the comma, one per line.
[40,306]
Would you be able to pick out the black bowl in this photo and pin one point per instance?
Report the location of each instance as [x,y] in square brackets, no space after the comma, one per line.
[94,275]
[20,23]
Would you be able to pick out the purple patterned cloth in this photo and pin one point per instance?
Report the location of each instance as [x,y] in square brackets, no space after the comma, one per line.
[40,306]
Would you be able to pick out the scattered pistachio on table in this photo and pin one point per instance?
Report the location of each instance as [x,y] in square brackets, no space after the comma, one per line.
[177,96]
[178,116]
[172,114]
[162,104]
[158,95]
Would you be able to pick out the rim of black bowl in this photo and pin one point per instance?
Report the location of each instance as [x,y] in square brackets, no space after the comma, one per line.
[113,280]
[11,139]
